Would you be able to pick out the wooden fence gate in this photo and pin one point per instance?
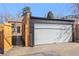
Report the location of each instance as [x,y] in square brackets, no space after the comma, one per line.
[5,37]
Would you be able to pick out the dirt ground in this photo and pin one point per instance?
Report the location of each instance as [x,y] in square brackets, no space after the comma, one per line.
[55,49]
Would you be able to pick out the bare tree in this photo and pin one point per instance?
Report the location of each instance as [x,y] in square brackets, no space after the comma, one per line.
[76,8]
[5,17]
[50,15]
[26,9]
[1,18]
[18,16]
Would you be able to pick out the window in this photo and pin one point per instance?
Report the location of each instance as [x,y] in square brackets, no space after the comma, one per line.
[13,25]
[18,29]
[13,28]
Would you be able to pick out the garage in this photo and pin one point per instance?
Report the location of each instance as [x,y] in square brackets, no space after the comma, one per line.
[52,33]
[41,30]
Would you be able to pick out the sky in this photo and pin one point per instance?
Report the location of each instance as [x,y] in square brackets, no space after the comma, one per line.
[37,9]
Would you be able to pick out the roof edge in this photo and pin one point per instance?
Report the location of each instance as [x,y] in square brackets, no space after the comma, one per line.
[43,18]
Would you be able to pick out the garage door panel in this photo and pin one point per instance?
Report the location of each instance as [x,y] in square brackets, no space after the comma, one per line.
[49,26]
[44,36]
[52,33]
[65,35]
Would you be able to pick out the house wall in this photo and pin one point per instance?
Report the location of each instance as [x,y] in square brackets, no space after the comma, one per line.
[17,38]
[14,29]
[16,33]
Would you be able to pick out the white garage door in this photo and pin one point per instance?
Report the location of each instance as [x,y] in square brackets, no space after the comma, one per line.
[52,33]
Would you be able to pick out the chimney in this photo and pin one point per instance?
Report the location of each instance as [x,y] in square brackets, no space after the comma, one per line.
[26,28]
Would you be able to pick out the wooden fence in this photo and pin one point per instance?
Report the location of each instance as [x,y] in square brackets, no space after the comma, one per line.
[5,37]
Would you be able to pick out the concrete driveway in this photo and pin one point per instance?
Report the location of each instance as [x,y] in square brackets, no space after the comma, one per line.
[55,49]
